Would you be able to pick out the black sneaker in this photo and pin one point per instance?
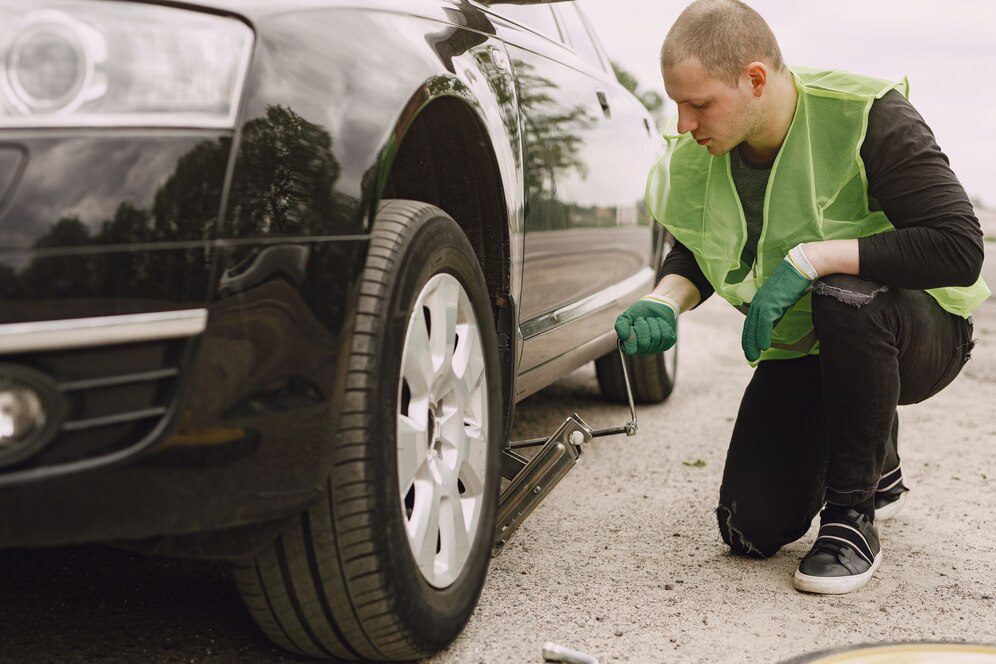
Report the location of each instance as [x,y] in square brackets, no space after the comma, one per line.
[890,495]
[843,558]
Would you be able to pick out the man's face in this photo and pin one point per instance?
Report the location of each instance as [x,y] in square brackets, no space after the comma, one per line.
[720,116]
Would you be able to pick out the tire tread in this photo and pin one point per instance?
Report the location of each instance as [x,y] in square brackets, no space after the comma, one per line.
[304,590]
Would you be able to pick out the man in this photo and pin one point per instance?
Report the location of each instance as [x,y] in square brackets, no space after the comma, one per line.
[819,204]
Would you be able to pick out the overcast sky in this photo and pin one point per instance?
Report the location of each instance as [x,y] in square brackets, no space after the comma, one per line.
[948,49]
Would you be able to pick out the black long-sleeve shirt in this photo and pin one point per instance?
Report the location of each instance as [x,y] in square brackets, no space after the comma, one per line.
[938,239]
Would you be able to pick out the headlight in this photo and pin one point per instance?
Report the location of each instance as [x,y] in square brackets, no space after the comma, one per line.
[99,63]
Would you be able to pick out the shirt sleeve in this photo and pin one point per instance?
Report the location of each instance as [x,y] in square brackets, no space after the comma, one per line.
[681,261]
[938,239]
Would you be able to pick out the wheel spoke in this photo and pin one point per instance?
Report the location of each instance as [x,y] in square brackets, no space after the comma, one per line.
[452,432]
[412,445]
[474,461]
[442,303]
[468,362]
[418,369]
[423,528]
[454,540]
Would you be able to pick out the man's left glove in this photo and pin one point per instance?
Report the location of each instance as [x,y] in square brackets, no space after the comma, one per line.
[786,286]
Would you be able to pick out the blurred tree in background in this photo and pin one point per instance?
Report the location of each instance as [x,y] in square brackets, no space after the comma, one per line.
[651,99]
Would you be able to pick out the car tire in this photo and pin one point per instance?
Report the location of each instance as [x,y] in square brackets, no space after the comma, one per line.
[343,581]
[652,377]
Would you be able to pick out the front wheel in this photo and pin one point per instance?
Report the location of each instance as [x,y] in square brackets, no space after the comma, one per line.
[391,564]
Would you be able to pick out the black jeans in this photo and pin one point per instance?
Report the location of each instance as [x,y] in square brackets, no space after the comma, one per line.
[824,427]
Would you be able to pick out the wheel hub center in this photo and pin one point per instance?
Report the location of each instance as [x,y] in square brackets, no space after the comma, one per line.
[435,440]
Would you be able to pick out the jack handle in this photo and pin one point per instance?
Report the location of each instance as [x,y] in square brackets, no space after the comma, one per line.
[630,428]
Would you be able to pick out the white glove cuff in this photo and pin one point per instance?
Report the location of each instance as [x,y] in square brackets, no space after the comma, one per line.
[797,259]
[666,301]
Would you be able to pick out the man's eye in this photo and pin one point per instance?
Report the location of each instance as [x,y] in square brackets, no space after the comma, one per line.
[700,106]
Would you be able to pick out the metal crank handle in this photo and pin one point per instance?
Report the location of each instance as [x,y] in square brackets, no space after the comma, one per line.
[631,427]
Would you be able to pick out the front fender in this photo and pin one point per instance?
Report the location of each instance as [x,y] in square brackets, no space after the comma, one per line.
[357,78]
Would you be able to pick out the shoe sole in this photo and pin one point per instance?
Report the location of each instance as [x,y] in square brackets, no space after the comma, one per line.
[834,585]
[892,509]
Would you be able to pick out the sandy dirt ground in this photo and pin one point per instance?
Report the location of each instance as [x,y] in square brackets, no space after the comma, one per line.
[623,561]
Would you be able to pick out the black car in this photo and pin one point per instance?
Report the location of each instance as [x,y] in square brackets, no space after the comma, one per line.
[273,276]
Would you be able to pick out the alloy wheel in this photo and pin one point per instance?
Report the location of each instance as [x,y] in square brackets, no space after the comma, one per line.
[442,430]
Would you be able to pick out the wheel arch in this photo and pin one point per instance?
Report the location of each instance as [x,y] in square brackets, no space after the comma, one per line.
[443,151]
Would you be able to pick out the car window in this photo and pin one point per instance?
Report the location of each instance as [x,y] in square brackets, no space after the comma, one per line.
[538,17]
[578,35]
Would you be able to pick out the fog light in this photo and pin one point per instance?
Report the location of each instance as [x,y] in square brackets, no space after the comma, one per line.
[21,414]
[31,410]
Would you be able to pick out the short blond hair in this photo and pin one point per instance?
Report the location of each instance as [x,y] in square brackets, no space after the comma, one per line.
[725,35]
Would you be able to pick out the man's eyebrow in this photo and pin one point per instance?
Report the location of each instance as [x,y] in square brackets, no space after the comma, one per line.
[691,101]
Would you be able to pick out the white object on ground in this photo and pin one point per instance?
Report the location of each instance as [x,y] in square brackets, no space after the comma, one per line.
[554,653]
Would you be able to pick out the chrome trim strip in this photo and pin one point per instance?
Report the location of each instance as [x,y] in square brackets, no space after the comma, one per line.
[180,244]
[535,379]
[147,121]
[118,418]
[112,381]
[100,331]
[586,305]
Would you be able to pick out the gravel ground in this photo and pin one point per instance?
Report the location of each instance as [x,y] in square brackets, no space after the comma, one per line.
[622,561]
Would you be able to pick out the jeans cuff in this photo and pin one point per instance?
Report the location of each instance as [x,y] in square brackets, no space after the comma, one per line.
[849,498]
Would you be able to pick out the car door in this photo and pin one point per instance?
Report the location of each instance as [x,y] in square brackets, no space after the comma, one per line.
[627,247]
[638,146]
[572,170]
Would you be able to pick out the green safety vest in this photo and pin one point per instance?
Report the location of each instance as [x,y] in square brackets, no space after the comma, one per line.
[817,190]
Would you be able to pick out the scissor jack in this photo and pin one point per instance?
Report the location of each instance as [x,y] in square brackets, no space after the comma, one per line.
[532,480]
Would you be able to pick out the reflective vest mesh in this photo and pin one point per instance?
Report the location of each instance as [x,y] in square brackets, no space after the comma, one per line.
[817,190]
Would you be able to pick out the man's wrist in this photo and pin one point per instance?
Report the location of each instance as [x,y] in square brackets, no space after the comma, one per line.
[833,256]
[665,300]
[798,259]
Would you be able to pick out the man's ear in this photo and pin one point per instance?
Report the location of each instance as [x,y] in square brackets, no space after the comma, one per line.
[757,77]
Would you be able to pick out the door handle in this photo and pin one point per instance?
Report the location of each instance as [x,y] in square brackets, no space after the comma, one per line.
[603,101]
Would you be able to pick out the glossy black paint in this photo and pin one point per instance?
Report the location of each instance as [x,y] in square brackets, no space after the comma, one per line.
[53,285]
[267,227]
[104,188]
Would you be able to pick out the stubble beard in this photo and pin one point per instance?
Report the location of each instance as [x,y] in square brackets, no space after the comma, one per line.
[751,126]
[753,122]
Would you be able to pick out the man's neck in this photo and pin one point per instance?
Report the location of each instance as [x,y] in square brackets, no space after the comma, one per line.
[763,147]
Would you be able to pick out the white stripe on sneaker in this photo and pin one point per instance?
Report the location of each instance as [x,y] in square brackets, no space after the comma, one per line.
[893,477]
[846,541]
[886,488]
[898,466]
[856,544]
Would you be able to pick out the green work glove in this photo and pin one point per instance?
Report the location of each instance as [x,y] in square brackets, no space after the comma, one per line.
[648,326]
[784,288]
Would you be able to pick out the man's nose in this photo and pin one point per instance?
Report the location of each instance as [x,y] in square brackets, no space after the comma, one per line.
[686,122]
